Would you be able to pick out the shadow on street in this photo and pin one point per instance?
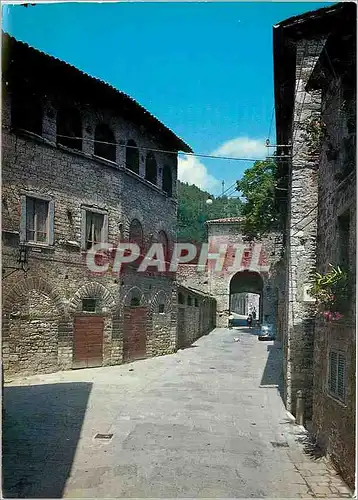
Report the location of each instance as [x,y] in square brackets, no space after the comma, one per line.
[272,374]
[41,429]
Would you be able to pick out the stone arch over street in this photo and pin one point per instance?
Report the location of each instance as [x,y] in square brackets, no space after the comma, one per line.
[260,259]
[247,282]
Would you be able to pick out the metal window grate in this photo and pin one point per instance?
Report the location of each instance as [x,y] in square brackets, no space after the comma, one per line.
[341,368]
[336,375]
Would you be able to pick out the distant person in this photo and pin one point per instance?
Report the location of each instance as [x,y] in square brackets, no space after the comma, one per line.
[249,320]
[254,314]
[231,317]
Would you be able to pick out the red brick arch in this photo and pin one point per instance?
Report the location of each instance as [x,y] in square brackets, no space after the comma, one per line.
[160,298]
[92,290]
[21,290]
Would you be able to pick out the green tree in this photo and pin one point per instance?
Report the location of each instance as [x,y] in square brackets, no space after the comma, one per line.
[259,209]
[193,211]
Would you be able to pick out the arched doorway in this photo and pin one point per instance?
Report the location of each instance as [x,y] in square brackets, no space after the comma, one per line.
[246,294]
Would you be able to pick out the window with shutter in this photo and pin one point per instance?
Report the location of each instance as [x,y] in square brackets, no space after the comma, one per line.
[336,375]
[340,377]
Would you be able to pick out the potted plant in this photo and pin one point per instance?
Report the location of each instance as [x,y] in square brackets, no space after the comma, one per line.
[331,291]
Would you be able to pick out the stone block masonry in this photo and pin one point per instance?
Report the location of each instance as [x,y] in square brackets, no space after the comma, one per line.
[69,195]
[315,94]
[334,399]
[196,315]
[252,267]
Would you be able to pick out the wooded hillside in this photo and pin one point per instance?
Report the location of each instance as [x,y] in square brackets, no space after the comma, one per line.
[193,211]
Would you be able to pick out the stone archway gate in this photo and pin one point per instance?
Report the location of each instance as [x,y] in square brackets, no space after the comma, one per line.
[257,256]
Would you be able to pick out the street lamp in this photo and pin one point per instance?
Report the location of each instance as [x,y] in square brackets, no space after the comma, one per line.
[209,201]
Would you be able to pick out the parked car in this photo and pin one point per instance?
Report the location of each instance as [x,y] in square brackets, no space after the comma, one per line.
[267,332]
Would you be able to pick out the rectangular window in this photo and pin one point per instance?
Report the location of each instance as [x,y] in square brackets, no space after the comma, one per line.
[89,305]
[94,228]
[37,217]
[336,375]
[36,220]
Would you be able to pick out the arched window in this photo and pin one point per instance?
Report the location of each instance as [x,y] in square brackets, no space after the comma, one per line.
[181,299]
[132,156]
[151,168]
[136,233]
[104,145]
[26,112]
[163,239]
[167,180]
[69,128]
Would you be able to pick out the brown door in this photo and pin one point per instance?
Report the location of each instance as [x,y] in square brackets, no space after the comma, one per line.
[135,333]
[88,341]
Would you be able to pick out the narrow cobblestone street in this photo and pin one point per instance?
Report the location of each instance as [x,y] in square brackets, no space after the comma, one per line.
[207,421]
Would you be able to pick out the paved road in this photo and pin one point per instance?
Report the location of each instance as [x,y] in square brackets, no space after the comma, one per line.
[206,422]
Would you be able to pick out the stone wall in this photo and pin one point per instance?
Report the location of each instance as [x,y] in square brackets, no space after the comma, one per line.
[40,305]
[196,315]
[300,252]
[193,276]
[240,303]
[333,417]
[260,257]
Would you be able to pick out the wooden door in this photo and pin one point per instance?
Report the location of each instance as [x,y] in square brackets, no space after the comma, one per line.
[135,333]
[88,341]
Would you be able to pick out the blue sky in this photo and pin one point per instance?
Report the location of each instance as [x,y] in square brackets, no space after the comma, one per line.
[204,69]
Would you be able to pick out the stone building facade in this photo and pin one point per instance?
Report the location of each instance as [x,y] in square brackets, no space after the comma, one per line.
[313,208]
[334,369]
[196,315]
[240,303]
[248,266]
[81,163]
[295,57]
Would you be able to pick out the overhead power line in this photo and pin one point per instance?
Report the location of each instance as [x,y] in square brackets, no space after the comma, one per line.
[202,155]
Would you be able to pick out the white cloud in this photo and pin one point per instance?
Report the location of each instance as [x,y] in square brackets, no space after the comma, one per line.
[242,147]
[192,171]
